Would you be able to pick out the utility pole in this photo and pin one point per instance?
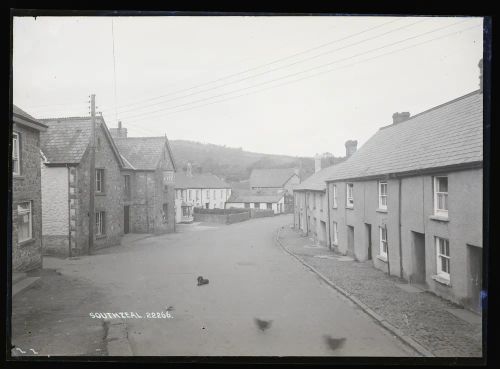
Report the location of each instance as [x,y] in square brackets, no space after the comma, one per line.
[92,177]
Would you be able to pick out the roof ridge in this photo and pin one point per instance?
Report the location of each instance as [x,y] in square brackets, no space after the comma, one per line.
[434,108]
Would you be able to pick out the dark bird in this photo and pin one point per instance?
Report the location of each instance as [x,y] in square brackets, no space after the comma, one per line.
[202,281]
[334,343]
[263,324]
[170,308]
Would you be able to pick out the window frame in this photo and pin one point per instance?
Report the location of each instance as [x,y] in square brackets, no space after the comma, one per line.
[439,257]
[16,149]
[334,195]
[382,196]
[437,211]
[100,220]
[383,242]
[349,201]
[29,212]
[99,182]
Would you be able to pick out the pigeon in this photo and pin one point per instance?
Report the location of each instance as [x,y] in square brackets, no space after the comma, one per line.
[263,324]
[202,281]
[334,343]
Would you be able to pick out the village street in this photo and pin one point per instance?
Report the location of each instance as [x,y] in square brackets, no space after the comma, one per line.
[250,277]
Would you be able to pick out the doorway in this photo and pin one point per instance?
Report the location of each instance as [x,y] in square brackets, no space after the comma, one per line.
[369,240]
[418,267]
[475,276]
[350,241]
[126,219]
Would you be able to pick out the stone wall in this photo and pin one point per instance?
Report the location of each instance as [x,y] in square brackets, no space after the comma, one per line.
[27,187]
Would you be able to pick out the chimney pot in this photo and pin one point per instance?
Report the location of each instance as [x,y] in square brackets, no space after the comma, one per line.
[119,124]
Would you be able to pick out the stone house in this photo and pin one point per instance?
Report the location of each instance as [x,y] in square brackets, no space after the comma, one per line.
[66,149]
[26,192]
[258,199]
[148,183]
[274,180]
[311,203]
[411,199]
[202,190]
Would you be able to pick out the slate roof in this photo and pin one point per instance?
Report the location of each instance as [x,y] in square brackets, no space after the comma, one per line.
[199,180]
[66,139]
[446,135]
[143,153]
[19,116]
[270,177]
[239,196]
[317,181]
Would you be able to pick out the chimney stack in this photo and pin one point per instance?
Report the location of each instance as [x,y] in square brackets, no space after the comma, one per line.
[118,132]
[400,117]
[350,147]
[317,163]
[480,65]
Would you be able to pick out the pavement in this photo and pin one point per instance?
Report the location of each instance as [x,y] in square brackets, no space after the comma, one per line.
[430,324]
[259,301]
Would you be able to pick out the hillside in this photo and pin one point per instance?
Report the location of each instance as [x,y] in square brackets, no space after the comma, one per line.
[235,164]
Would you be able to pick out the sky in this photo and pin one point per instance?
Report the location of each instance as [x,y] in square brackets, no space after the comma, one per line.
[279,85]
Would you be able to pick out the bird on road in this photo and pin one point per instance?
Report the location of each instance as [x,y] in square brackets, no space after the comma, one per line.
[334,343]
[263,324]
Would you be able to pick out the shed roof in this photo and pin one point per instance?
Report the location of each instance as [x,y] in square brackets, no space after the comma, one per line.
[446,135]
[241,196]
[276,177]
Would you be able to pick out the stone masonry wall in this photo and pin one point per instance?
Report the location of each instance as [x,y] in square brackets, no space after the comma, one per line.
[27,187]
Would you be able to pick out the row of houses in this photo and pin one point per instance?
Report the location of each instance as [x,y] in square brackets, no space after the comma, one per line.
[410,200]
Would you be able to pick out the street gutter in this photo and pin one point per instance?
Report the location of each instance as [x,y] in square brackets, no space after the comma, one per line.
[380,320]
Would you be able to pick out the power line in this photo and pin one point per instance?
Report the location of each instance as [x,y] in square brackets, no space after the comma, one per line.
[295,73]
[314,75]
[263,65]
[277,68]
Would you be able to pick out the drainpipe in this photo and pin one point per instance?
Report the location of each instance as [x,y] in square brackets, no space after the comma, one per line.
[69,212]
[399,230]
[328,217]
[388,256]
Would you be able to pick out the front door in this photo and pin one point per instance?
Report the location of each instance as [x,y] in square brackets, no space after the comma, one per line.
[369,240]
[475,276]
[126,219]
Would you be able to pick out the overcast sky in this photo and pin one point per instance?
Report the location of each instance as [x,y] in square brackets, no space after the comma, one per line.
[280,85]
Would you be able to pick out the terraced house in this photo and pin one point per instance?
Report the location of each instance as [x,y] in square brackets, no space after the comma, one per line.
[201,190]
[410,199]
[26,192]
[311,202]
[148,176]
[65,168]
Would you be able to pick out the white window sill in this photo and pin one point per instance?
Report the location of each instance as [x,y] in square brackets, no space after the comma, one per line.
[440,218]
[382,210]
[382,257]
[440,279]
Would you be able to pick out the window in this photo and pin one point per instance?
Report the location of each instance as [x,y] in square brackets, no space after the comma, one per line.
[382,195]
[334,187]
[185,211]
[165,213]
[99,180]
[441,196]
[269,206]
[349,196]
[256,205]
[100,225]
[24,222]
[127,186]
[383,242]
[335,233]
[443,257]
[16,158]
[247,205]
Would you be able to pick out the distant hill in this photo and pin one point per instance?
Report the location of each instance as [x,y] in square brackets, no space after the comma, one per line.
[236,164]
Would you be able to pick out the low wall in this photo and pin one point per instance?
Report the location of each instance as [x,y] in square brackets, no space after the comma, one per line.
[260,213]
[231,218]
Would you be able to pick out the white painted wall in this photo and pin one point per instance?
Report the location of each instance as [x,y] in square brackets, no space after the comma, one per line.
[55,220]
